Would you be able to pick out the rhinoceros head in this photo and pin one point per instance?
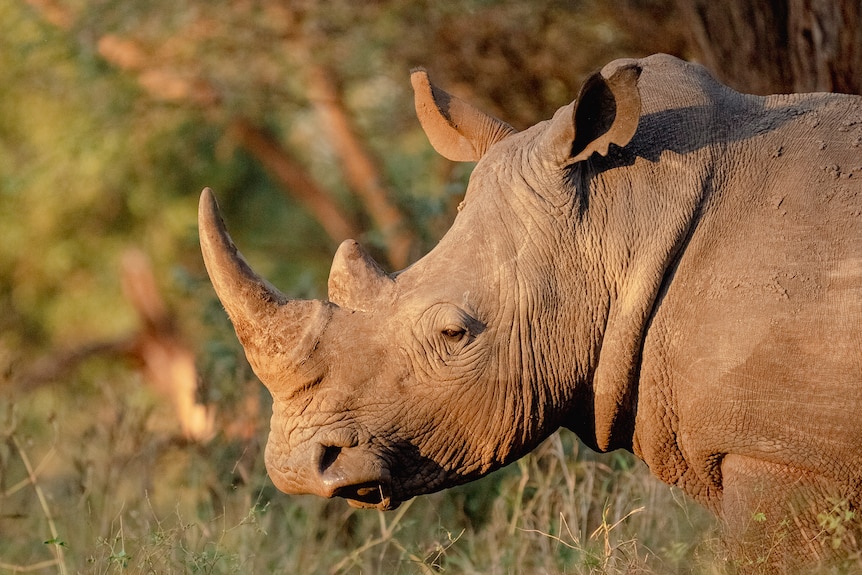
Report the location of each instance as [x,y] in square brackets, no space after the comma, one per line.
[402,384]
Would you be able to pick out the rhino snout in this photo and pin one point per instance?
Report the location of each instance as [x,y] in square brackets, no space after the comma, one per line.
[333,469]
[355,475]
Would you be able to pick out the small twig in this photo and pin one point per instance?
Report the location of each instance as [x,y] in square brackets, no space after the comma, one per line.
[28,568]
[576,542]
[43,501]
[576,547]
[565,524]
[604,527]
[519,497]
[356,552]
[24,482]
[441,550]
[386,533]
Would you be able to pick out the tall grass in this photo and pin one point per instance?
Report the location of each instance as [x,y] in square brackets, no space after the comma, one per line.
[96,481]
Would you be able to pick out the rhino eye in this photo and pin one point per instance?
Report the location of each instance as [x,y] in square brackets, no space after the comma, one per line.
[454,332]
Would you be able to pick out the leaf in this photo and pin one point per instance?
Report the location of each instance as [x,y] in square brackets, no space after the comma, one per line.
[760,517]
[55,541]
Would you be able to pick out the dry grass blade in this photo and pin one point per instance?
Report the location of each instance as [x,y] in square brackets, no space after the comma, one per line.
[57,545]
[386,533]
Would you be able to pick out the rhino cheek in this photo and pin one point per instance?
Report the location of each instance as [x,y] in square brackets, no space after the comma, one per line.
[469,418]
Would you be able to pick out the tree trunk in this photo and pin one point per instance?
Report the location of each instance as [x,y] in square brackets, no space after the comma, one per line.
[826,45]
[773,46]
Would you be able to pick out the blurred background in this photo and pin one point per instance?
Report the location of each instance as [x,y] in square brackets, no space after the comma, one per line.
[131,427]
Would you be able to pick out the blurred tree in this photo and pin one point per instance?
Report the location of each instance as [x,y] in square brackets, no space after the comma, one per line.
[113,116]
[307,84]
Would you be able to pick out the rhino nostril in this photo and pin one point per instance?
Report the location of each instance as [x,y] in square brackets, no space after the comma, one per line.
[328,457]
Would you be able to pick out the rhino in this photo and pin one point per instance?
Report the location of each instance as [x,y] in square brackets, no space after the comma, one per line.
[666,266]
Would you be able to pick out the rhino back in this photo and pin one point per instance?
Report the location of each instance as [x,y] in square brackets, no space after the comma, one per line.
[758,329]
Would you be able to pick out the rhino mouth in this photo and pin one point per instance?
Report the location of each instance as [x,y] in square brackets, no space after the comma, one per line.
[370,494]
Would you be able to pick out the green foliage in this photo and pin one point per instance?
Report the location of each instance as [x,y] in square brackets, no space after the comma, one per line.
[99,154]
[835,522]
[71,187]
[759,517]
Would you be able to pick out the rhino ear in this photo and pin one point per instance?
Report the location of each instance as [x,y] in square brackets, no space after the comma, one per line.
[355,279]
[606,112]
[457,130]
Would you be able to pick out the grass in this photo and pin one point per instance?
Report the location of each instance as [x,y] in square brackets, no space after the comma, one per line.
[95,479]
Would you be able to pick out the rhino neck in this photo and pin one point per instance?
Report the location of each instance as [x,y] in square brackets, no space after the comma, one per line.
[638,220]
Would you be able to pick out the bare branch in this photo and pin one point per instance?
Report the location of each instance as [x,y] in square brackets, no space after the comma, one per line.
[359,165]
[158,350]
[54,13]
[53,367]
[294,179]
[163,80]
[167,362]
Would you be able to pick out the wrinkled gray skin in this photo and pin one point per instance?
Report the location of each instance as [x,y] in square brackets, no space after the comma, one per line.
[666,266]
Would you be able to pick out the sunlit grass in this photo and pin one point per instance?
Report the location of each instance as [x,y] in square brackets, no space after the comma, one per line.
[98,482]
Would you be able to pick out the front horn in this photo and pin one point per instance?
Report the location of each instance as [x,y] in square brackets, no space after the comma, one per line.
[278,334]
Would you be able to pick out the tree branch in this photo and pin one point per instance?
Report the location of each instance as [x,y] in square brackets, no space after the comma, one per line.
[163,83]
[359,165]
[157,350]
[294,179]
[163,80]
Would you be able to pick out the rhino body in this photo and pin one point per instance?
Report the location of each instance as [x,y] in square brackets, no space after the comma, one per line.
[667,266]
